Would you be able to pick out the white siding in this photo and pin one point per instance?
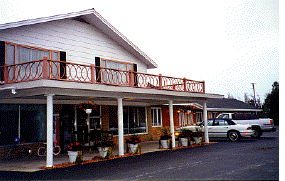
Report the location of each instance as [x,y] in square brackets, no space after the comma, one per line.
[81,41]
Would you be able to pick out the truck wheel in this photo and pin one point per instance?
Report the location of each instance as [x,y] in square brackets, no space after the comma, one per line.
[257,132]
[233,135]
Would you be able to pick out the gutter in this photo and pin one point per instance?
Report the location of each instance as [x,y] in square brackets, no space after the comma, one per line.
[13,89]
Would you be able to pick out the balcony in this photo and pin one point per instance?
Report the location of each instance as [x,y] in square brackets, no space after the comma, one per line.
[67,71]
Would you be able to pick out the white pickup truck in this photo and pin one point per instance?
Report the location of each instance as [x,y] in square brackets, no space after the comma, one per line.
[259,125]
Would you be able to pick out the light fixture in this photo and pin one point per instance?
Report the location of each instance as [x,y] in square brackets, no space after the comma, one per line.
[88,111]
[13,91]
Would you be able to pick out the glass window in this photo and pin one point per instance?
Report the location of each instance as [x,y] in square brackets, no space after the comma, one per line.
[10,59]
[156,116]
[27,122]
[103,63]
[210,122]
[115,72]
[54,55]
[26,54]
[134,119]
[20,54]
[199,117]
[33,123]
[223,123]
[8,123]
[223,116]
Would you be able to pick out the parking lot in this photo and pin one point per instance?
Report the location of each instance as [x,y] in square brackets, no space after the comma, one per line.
[247,159]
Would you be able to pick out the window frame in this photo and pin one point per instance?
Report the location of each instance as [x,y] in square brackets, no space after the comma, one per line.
[127,64]
[28,47]
[16,61]
[157,117]
[199,115]
[128,119]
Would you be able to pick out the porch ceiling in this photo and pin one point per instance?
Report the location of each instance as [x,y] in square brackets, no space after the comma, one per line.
[73,93]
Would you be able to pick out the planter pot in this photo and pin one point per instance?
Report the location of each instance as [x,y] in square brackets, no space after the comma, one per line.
[72,156]
[133,147]
[184,141]
[164,143]
[103,151]
[198,140]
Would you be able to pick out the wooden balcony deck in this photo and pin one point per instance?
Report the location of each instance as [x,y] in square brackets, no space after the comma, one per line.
[67,71]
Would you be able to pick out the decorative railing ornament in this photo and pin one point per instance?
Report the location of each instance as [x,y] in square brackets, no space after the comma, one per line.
[67,71]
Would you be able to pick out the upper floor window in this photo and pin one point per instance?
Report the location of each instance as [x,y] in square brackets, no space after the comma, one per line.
[156,116]
[116,65]
[27,59]
[16,53]
[113,72]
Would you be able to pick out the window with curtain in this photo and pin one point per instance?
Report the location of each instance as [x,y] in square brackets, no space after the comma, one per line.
[16,54]
[115,72]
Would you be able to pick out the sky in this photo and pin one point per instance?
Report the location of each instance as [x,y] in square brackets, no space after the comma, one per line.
[229,44]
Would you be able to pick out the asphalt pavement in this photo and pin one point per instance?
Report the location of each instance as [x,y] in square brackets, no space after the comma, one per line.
[247,159]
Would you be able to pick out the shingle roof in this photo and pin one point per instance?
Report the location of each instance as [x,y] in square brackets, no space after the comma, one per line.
[227,104]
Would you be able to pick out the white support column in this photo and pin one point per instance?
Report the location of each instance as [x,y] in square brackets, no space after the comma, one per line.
[205,115]
[49,158]
[171,122]
[120,126]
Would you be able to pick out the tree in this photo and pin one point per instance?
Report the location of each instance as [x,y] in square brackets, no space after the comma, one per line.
[256,104]
[246,99]
[271,104]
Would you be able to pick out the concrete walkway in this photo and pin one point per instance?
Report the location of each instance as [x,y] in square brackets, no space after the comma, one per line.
[32,164]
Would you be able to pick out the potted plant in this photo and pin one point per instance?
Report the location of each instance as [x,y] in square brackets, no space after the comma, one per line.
[185,137]
[74,152]
[165,139]
[105,147]
[133,144]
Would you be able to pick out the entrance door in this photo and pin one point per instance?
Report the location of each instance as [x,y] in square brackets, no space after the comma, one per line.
[67,118]
[87,123]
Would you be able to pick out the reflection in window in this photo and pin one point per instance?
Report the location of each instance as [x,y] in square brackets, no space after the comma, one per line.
[134,119]
[114,72]
[27,122]
[17,54]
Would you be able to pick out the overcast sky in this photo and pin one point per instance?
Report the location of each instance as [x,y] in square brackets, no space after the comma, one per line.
[228,43]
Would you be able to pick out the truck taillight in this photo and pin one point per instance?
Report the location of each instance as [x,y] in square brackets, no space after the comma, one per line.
[271,121]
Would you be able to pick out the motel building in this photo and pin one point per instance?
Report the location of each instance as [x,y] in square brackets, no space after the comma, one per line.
[53,69]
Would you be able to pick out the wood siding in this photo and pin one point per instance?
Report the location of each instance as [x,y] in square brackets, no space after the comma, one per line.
[81,41]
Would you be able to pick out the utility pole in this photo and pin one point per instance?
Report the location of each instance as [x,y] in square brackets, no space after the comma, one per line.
[254,94]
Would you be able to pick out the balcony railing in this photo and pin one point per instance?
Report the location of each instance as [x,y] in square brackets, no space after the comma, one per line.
[67,71]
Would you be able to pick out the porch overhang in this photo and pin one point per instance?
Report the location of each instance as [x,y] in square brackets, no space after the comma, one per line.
[74,93]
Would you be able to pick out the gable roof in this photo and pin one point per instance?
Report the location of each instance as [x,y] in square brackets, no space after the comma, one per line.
[94,18]
[225,104]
